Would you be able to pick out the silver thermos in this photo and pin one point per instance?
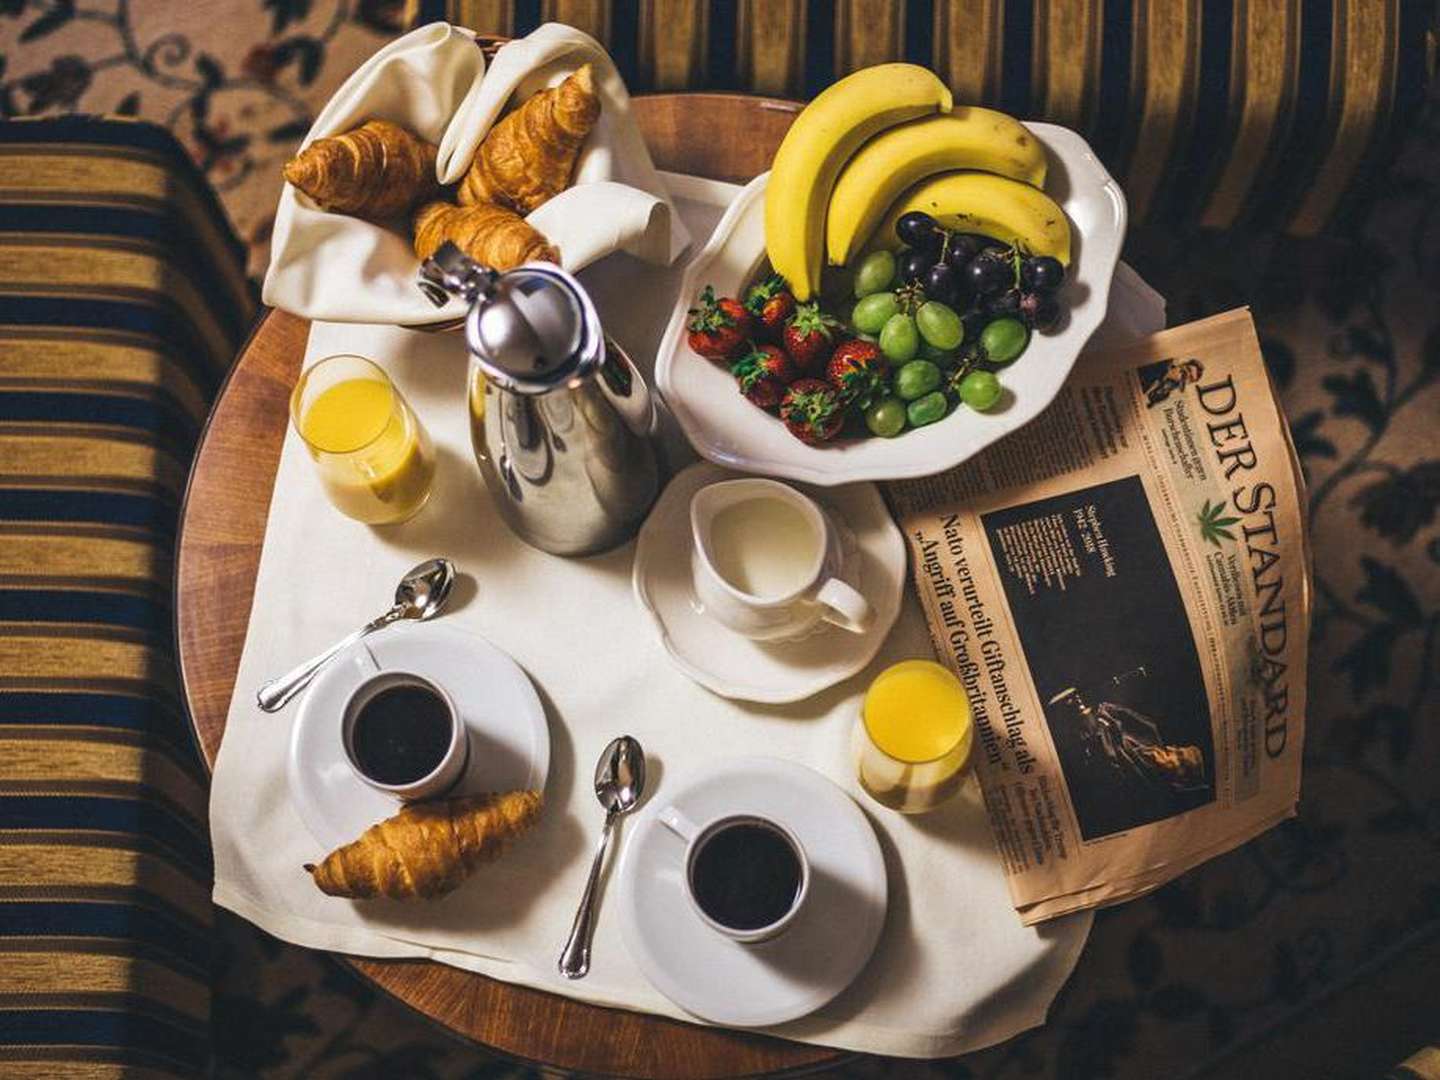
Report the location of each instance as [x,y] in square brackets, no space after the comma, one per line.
[561,422]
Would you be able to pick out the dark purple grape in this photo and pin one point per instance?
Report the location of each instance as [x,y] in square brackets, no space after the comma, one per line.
[1040,310]
[1004,303]
[913,265]
[1042,273]
[918,230]
[988,276]
[942,283]
[960,250]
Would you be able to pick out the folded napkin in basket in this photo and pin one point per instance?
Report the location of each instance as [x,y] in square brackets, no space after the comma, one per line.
[434,82]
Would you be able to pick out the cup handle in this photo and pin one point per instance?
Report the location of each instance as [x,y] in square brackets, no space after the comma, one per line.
[844,606]
[679,824]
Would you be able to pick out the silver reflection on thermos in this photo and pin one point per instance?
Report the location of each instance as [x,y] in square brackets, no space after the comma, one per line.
[561,422]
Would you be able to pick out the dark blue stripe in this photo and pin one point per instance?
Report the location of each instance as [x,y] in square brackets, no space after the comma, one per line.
[97,131]
[104,507]
[127,1030]
[153,826]
[919,44]
[819,47]
[163,322]
[527,16]
[66,709]
[182,248]
[1113,107]
[75,605]
[431,11]
[176,934]
[1193,169]
[1016,52]
[723,63]
[625,41]
[177,431]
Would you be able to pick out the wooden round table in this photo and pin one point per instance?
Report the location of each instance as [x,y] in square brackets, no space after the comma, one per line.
[721,136]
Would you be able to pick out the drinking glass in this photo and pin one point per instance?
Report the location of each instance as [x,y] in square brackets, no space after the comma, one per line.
[913,737]
[375,458]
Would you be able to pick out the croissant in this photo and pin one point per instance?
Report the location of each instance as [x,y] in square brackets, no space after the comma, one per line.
[529,155]
[491,235]
[427,849]
[377,171]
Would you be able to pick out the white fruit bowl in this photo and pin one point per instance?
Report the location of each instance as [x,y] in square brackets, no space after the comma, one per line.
[728,430]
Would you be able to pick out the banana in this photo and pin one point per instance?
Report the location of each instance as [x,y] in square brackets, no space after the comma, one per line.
[967,138]
[816,148]
[978,202]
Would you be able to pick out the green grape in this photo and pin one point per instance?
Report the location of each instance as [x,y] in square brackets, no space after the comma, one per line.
[873,311]
[939,325]
[926,410]
[980,390]
[886,417]
[916,379]
[875,273]
[1004,339]
[899,339]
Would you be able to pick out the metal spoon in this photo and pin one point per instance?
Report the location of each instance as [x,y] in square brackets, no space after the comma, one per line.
[421,594]
[619,779]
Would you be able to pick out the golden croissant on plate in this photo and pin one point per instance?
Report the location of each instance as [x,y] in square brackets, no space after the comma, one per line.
[427,849]
[529,156]
[491,235]
[376,171]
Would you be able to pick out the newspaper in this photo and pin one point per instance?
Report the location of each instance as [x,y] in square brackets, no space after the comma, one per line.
[1123,588]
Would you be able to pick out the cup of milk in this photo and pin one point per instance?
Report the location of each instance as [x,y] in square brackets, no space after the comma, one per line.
[767,561]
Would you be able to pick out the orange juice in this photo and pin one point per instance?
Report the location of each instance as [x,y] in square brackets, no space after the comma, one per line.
[374,458]
[913,738]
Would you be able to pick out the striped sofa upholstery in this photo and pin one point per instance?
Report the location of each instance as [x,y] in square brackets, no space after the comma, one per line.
[1264,114]
[122,301]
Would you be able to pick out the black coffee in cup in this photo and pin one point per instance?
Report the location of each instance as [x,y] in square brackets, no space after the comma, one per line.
[746,875]
[401,734]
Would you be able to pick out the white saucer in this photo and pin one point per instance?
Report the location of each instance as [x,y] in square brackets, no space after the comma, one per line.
[509,738]
[819,955]
[732,665]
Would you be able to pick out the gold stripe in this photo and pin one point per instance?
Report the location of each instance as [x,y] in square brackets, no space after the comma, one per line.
[76,763]
[57,972]
[89,656]
[124,562]
[1066,60]
[42,357]
[482,16]
[88,458]
[1264,72]
[674,41]
[80,174]
[868,32]
[1363,63]
[968,48]
[1166,67]
[72,1067]
[591,16]
[101,865]
[73,267]
[771,47]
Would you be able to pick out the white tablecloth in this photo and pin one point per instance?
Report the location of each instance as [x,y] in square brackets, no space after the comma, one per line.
[954,969]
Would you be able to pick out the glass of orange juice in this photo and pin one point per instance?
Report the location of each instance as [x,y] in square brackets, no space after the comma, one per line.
[913,737]
[376,461]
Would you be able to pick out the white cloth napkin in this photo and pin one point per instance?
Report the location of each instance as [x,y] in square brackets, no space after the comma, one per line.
[434,81]
[954,970]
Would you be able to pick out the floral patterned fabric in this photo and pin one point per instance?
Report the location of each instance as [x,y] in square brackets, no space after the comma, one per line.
[1168,984]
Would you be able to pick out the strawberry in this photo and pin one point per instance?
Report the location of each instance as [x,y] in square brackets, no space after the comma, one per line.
[719,328]
[772,304]
[809,337]
[858,371]
[812,411]
[763,375]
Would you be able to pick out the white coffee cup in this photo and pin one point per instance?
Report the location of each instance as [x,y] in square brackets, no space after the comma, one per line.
[767,560]
[452,763]
[697,836]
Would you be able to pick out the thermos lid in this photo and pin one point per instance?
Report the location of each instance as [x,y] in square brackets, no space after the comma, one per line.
[530,329]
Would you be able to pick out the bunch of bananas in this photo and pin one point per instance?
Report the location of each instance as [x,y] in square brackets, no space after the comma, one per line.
[887,140]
